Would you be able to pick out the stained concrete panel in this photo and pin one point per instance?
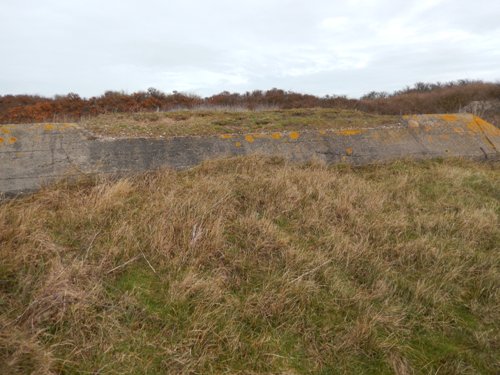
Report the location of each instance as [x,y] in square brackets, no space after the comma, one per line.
[37,154]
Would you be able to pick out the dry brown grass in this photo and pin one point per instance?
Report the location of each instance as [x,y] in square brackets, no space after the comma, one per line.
[256,266]
[207,122]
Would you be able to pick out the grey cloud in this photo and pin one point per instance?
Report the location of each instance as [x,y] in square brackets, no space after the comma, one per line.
[322,47]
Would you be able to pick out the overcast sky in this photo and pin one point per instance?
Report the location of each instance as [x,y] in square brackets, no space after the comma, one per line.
[343,47]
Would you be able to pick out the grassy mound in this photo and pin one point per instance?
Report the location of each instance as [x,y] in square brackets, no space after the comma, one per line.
[256,266]
[209,122]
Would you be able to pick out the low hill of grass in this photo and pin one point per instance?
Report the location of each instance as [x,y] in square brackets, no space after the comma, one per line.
[256,266]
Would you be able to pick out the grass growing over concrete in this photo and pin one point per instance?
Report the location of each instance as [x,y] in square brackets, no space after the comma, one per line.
[208,122]
[255,266]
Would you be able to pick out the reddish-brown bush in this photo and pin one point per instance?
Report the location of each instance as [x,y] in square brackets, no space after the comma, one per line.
[421,98]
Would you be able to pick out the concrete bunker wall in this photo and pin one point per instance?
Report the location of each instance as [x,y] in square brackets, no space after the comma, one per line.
[37,154]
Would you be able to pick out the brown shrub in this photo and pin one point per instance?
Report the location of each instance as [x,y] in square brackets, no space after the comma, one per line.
[422,98]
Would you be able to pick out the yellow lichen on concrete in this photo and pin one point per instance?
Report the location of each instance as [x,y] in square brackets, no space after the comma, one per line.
[249,138]
[473,126]
[1,140]
[294,135]
[238,144]
[486,127]
[276,135]
[478,125]
[5,130]
[348,132]
[322,132]
[226,136]
[12,140]
[349,151]
[59,126]
[449,118]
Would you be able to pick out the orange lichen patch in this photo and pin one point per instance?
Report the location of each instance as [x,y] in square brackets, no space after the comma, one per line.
[348,132]
[249,138]
[12,140]
[481,122]
[5,130]
[226,136]
[59,127]
[276,135]
[238,144]
[458,130]
[348,151]
[487,127]
[294,135]
[449,118]
[1,140]
[473,127]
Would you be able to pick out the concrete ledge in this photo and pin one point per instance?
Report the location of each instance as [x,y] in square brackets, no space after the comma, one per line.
[37,154]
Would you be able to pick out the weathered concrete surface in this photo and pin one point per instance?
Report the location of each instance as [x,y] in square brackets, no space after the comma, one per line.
[34,155]
[488,110]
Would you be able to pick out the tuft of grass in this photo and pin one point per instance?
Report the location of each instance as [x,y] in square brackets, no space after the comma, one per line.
[256,266]
[209,122]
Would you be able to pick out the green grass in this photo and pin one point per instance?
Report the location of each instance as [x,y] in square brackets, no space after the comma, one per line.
[256,266]
[205,122]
